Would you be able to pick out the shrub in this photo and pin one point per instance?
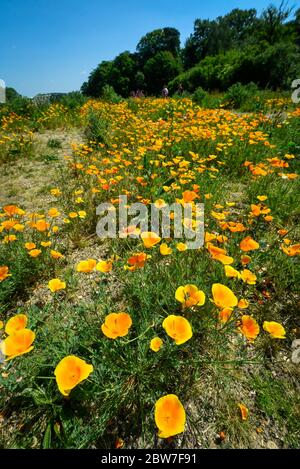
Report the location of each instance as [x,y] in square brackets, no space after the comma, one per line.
[199,95]
[109,94]
[238,94]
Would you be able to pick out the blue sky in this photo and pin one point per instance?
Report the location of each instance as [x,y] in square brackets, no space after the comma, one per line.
[52,45]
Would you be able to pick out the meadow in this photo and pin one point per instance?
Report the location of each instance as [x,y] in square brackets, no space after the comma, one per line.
[142,342]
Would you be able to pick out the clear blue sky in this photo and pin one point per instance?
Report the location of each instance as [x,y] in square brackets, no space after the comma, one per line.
[52,45]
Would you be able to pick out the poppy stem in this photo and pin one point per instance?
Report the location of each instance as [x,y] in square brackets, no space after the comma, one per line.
[141,335]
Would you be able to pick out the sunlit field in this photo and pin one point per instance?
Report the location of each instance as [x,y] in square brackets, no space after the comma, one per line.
[142,342]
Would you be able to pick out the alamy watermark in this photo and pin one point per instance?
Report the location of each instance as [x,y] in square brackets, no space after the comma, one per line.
[180,221]
[296,92]
[2,92]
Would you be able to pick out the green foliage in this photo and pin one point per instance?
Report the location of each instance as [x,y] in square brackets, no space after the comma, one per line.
[97,129]
[73,100]
[199,95]
[272,66]
[109,94]
[238,94]
[159,40]
[11,94]
[237,47]
[159,70]
[54,143]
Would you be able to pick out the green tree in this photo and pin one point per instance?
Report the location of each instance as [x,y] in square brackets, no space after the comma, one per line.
[159,70]
[273,27]
[11,94]
[224,33]
[159,40]
[98,78]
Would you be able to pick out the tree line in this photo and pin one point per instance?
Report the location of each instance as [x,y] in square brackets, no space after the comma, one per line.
[237,47]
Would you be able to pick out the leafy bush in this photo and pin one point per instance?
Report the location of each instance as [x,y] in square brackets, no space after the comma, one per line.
[109,94]
[97,129]
[199,95]
[238,94]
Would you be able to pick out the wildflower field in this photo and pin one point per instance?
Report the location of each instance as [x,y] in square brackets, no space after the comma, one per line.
[142,342]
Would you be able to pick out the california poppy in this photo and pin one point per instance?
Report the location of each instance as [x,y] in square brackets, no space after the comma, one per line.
[223,297]
[56,284]
[69,372]
[178,328]
[189,295]
[104,266]
[248,244]
[275,329]
[86,266]
[156,344]
[137,260]
[244,411]
[4,272]
[116,325]
[248,277]
[164,249]
[18,343]
[16,323]
[169,416]
[249,327]
[150,238]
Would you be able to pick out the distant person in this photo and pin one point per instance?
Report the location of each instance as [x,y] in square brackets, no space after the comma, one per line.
[180,89]
[165,92]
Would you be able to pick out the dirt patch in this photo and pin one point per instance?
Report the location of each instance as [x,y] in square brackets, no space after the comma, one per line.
[27,182]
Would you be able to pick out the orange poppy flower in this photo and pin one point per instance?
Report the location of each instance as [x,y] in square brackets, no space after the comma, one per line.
[16,323]
[42,225]
[245,260]
[244,411]
[116,325]
[189,296]
[18,343]
[248,277]
[119,443]
[275,329]
[189,196]
[225,314]
[231,272]
[53,212]
[156,344]
[219,254]
[178,328]
[71,371]
[30,246]
[282,232]
[56,254]
[11,210]
[137,260]
[104,266]
[248,244]
[223,297]
[34,252]
[164,249]
[249,327]
[291,251]
[46,244]
[169,416]
[86,266]
[243,304]
[56,284]
[181,247]
[4,273]
[150,239]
